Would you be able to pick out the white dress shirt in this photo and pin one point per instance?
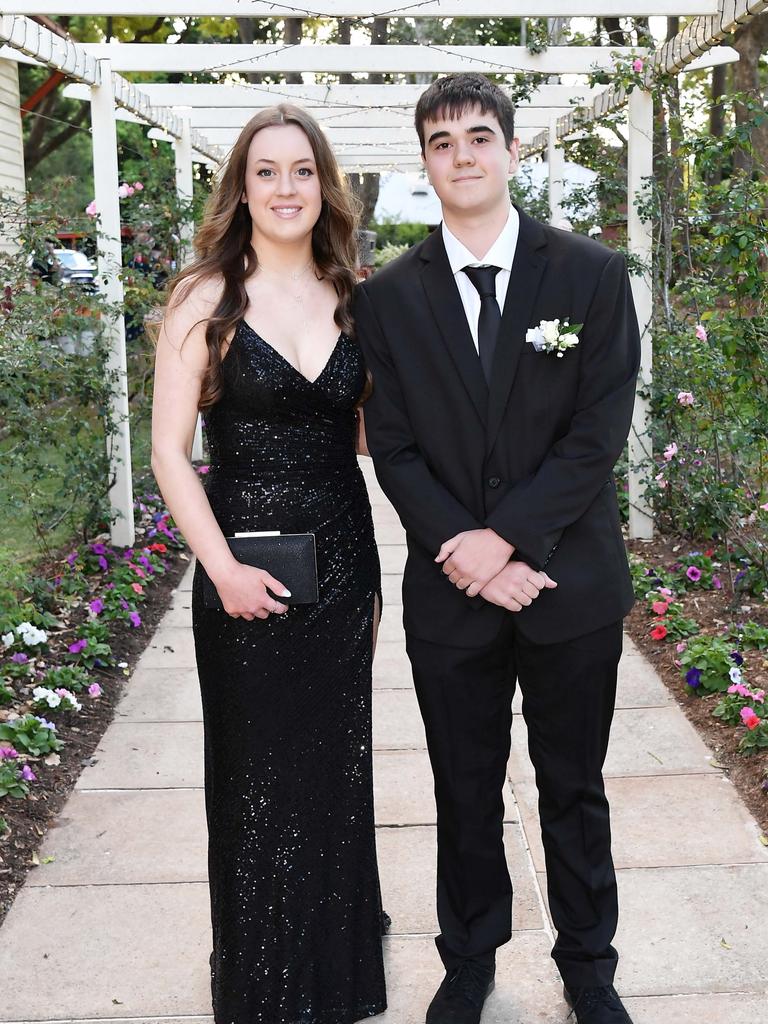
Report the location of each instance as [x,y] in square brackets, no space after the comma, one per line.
[501,254]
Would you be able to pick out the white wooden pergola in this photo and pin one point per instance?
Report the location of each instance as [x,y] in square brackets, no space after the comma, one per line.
[370,126]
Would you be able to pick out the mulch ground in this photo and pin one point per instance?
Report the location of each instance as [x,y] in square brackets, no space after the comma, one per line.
[30,819]
[713,610]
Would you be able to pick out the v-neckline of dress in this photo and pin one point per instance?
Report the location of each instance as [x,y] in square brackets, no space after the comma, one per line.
[288,363]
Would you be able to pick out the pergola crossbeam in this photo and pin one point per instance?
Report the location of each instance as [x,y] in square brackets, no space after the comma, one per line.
[362,8]
[333,58]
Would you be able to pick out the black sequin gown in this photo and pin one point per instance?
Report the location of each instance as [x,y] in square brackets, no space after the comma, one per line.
[295,900]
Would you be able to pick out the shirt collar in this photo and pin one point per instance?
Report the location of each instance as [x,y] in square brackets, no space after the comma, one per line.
[500,254]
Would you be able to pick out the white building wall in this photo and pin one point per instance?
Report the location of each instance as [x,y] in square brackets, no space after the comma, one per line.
[11,148]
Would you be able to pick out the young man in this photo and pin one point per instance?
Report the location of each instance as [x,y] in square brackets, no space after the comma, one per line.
[496,444]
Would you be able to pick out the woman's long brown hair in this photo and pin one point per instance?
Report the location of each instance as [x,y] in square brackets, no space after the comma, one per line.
[223,241]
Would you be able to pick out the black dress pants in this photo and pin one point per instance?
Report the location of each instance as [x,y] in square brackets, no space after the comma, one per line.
[569,691]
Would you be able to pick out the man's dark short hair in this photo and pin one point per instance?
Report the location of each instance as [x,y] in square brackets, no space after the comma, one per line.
[452,95]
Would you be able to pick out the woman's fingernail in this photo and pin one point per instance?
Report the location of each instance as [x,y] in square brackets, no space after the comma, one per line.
[286,593]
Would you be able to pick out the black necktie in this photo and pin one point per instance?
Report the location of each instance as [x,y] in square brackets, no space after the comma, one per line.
[484,280]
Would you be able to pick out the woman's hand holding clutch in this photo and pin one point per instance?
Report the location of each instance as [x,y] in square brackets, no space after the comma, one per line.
[243,592]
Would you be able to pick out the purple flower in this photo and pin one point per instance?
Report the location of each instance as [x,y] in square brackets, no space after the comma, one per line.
[27,774]
[96,606]
[109,586]
[693,573]
[693,677]
[103,563]
[735,656]
[8,752]
[72,558]
[57,581]
[20,659]
[99,549]
[124,604]
[94,690]
[44,722]
[135,619]
[717,583]
[77,646]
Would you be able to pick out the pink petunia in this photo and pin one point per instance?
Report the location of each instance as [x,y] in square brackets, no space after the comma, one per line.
[660,607]
[91,209]
[693,573]
[670,451]
[137,587]
[685,397]
[637,65]
[94,690]
[749,718]
[701,332]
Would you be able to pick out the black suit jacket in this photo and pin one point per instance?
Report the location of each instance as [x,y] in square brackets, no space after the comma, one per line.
[531,457]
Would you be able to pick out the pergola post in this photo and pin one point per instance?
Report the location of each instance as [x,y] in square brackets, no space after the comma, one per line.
[556,170]
[110,261]
[640,242]
[182,149]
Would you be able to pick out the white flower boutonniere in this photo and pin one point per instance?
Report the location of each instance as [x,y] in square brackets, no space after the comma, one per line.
[554,336]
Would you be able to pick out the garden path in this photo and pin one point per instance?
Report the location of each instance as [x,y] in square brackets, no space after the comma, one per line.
[115,925]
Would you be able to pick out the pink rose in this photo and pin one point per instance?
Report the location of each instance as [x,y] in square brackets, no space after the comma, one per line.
[637,65]
[701,332]
[91,208]
[685,397]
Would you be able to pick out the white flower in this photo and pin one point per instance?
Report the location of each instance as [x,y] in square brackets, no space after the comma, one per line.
[553,336]
[7,639]
[43,695]
[735,674]
[30,634]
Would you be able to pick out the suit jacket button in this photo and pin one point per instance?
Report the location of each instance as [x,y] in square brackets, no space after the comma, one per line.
[494,482]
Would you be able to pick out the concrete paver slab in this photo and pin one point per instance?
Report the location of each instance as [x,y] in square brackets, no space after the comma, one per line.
[527,990]
[392,558]
[665,821]
[160,695]
[165,755]
[644,741]
[396,721]
[407,865]
[392,595]
[128,837]
[106,952]
[720,1008]
[169,648]
[404,789]
[391,629]
[638,686]
[391,667]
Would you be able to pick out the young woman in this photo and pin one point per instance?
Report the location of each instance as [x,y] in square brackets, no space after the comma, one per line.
[257,334]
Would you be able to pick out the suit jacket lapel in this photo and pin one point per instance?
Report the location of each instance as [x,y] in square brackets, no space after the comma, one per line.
[445,302]
[524,282]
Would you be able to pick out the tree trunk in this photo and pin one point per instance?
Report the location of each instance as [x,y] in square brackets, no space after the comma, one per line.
[366,188]
[293,32]
[345,38]
[751,40]
[615,32]
[717,115]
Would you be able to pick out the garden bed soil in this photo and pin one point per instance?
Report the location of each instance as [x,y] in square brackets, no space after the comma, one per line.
[713,610]
[28,820]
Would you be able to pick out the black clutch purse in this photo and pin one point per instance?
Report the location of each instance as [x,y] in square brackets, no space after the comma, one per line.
[289,557]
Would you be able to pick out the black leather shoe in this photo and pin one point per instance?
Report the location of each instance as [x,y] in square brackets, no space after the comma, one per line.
[461,995]
[599,1004]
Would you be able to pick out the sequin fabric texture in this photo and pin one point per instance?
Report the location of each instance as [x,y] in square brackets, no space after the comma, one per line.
[295,901]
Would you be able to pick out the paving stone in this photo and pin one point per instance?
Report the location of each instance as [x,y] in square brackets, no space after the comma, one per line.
[692,929]
[736,1007]
[392,557]
[404,789]
[527,987]
[160,695]
[407,866]
[169,648]
[179,617]
[639,685]
[125,838]
[396,721]
[106,951]
[389,532]
[165,755]
[644,741]
[392,594]
[391,628]
[391,667]
[666,820]
[185,583]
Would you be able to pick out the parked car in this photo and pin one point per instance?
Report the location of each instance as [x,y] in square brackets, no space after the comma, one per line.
[73,267]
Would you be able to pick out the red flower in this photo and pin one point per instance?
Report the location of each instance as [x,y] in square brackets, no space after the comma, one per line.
[709,552]
[659,632]
[158,547]
[749,718]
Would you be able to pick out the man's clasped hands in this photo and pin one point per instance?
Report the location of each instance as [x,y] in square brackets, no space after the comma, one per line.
[478,562]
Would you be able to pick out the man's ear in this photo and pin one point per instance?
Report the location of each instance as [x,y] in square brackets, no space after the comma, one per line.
[514,156]
[424,165]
